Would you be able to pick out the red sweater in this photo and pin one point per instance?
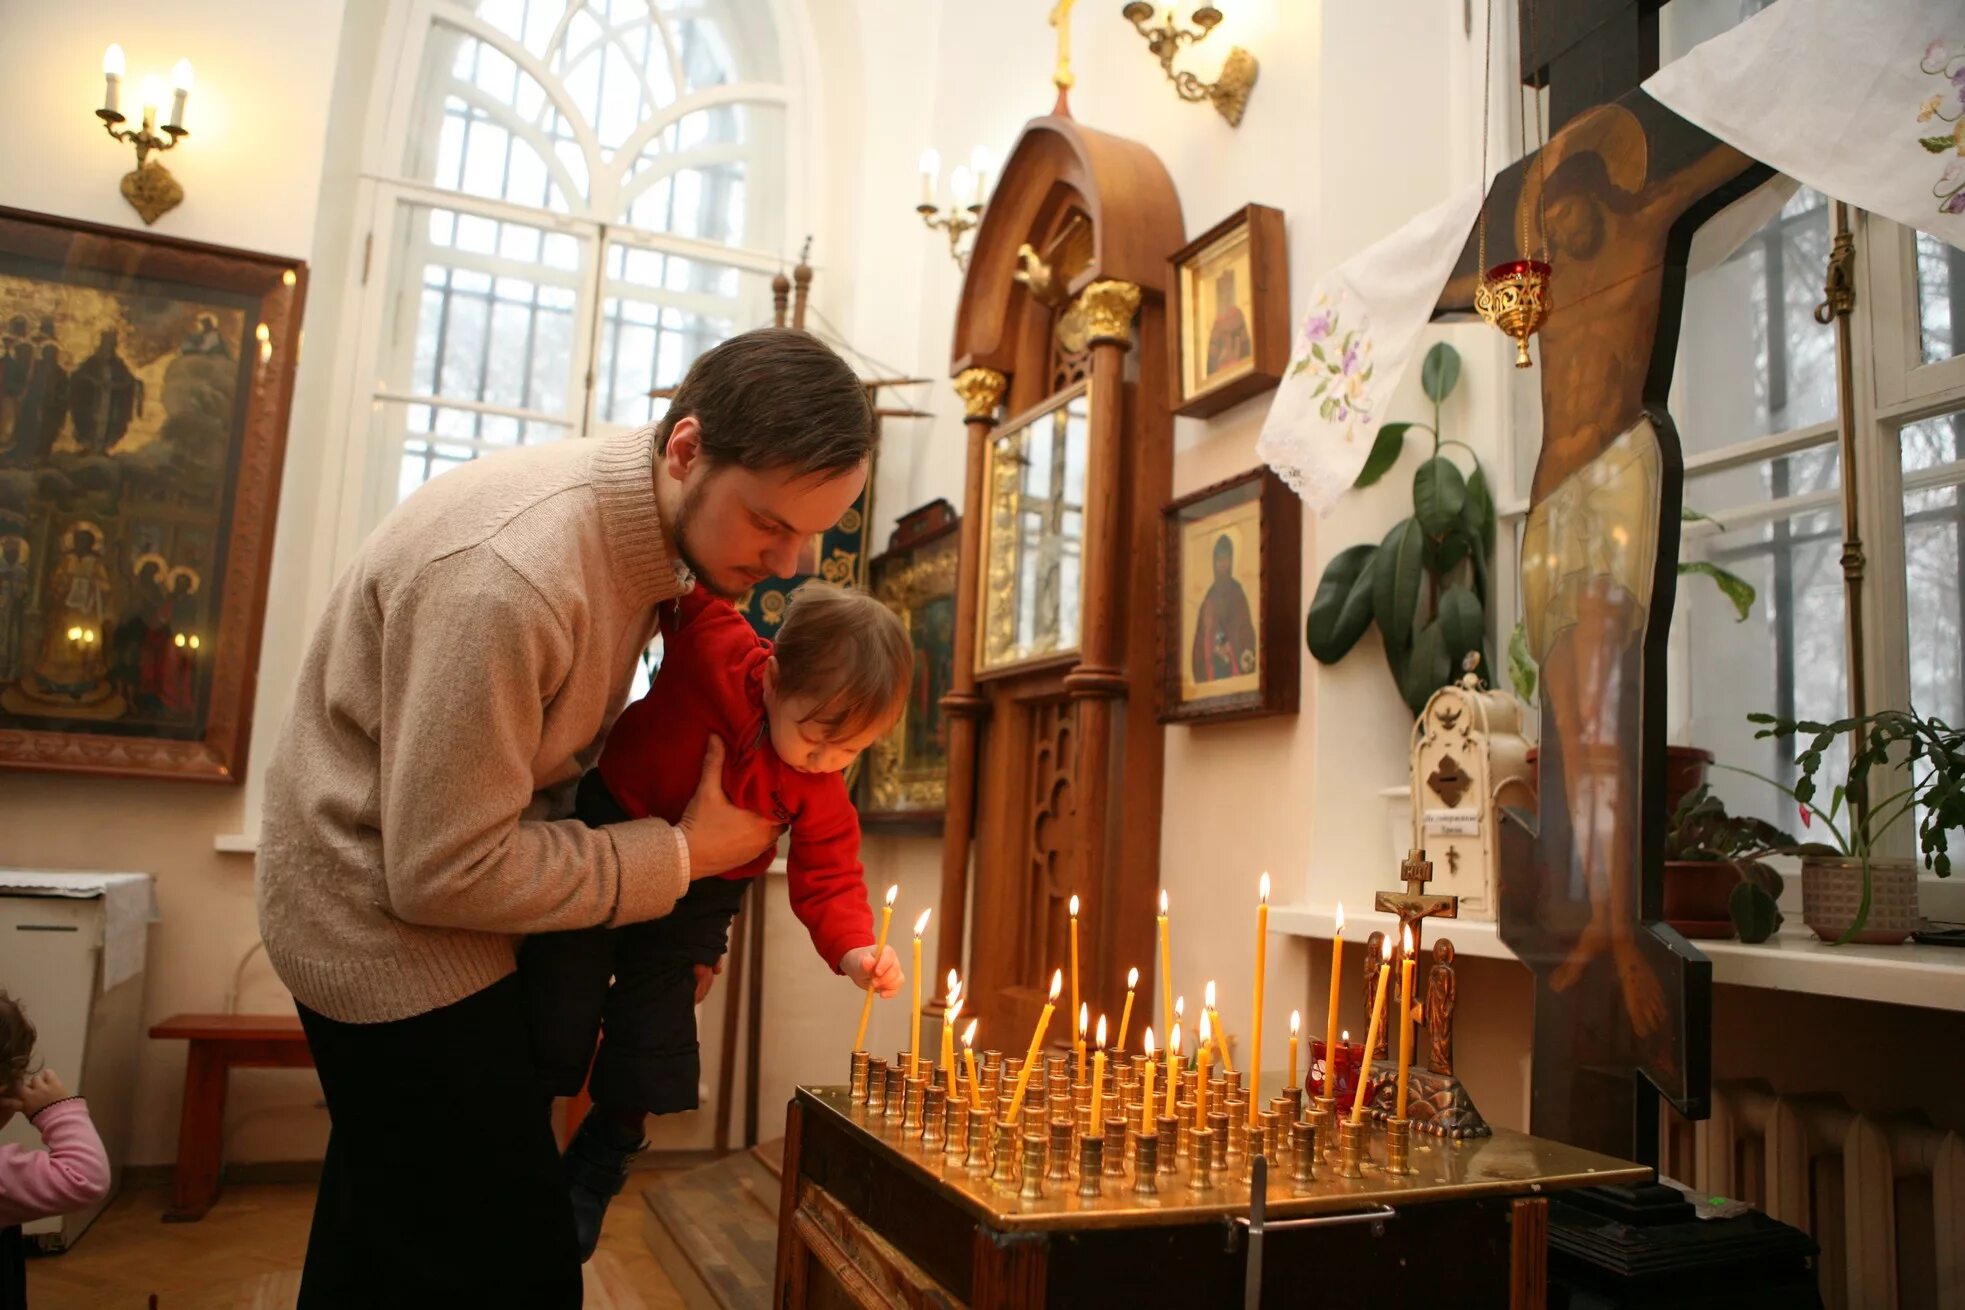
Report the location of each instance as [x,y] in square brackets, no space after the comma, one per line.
[712,682]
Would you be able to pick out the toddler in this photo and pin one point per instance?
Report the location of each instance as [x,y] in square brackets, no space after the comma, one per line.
[73,1172]
[785,719]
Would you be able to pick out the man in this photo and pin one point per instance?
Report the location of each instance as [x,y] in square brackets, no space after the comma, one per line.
[460,682]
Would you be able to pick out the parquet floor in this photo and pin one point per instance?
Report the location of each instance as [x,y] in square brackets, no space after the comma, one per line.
[246,1255]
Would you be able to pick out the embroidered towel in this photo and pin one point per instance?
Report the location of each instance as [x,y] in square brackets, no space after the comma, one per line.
[1864,102]
[1365,318]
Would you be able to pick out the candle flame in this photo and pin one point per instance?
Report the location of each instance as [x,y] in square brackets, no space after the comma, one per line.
[1100,1038]
[1407,936]
[1149,1043]
[1207,995]
[1163,905]
[921,924]
[1084,1017]
[1344,1038]
[1340,916]
[892,892]
[1262,889]
[1180,1007]
[1132,979]
[1296,1022]
[969,1034]
[112,61]
[1173,1043]
[1386,950]
[1057,983]
[954,985]
[1074,907]
[954,1009]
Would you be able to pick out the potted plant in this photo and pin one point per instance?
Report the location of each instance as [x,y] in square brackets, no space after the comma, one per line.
[1848,891]
[1426,584]
[1717,879]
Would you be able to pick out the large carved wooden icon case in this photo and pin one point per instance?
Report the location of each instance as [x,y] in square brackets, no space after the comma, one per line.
[1054,748]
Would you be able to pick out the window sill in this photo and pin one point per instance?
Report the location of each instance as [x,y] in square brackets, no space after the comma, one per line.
[1929,976]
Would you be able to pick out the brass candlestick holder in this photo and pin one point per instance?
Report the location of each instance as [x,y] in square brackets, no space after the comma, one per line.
[1060,1153]
[1322,1118]
[934,1111]
[149,187]
[1003,1154]
[1217,1152]
[1303,1156]
[1351,1148]
[1146,1170]
[917,1095]
[956,1131]
[1115,1146]
[857,1087]
[1168,1127]
[876,1090]
[1033,1168]
[1184,1111]
[1398,1146]
[1091,1167]
[1229,92]
[895,1104]
[977,1156]
[1200,1153]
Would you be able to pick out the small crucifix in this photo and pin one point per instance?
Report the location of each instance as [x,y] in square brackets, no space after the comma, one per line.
[1062,78]
[1414,906]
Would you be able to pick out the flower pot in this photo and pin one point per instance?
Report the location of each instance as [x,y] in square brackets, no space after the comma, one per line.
[1832,891]
[1685,772]
[1698,897]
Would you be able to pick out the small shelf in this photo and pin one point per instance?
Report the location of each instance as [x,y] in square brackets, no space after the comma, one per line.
[1929,976]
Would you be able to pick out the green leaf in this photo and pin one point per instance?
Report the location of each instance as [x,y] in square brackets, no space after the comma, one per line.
[1522,672]
[1755,913]
[1439,493]
[1429,669]
[1385,451]
[1445,554]
[1462,624]
[1395,586]
[1686,514]
[1478,516]
[1341,609]
[1937,145]
[1440,373]
[1731,585]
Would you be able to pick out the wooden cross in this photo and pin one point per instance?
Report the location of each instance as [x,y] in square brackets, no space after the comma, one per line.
[1415,904]
[1623,1003]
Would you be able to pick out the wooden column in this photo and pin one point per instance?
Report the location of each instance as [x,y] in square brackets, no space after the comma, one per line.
[1099,678]
[981,390]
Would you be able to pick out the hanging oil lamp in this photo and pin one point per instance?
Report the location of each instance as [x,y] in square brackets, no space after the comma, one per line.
[1514,295]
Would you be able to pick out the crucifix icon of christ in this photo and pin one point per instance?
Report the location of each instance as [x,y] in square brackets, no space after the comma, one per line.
[1623,1003]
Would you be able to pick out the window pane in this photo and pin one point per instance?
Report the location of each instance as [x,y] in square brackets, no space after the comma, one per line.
[434,439]
[659,312]
[1934,526]
[1940,298]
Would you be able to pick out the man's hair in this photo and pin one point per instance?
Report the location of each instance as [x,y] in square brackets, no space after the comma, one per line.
[16,1045]
[849,654]
[775,398]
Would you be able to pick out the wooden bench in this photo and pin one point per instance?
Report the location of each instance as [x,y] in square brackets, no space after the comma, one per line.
[219,1044]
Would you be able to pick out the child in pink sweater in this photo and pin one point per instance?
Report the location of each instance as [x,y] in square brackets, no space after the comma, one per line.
[71,1173]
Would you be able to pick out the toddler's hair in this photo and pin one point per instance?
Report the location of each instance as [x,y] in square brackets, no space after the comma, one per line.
[849,654]
[16,1045]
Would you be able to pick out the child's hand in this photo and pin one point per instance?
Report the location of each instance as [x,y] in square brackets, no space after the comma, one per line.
[41,1091]
[705,975]
[882,975]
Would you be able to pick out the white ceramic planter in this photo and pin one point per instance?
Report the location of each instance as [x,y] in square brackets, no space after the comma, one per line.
[1832,892]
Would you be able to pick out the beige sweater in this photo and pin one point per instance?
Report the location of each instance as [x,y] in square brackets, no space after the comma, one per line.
[467,667]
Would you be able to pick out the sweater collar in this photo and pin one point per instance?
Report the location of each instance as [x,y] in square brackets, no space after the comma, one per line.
[631,521]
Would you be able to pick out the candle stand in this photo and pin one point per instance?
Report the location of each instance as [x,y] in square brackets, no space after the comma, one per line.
[858,1085]
[1398,1147]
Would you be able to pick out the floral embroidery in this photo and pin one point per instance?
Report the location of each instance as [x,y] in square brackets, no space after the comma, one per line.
[1340,360]
[1947,106]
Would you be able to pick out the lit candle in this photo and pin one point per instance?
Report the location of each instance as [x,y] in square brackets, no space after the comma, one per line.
[914,1029]
[1371,1033]
[1201,1085]
[1330,1028]
[180,90]
[1079,1043]
[150,95]
[948,1030]
[962,185]
[1261,957]
[982,162]
[1405,1018]
[1126,1015]
[1145,1102]
[1213,1016]
[1098,1078]
[1166,966]
[1084,1022]
[1036,1044]
[931,172]
[1173,1070]
[112,78]
[1296,1022]
[866,1006]
[969,1062]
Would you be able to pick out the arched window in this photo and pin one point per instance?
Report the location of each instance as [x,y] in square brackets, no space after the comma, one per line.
[575,198]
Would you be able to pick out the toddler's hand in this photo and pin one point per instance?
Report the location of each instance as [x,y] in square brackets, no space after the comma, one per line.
[882,975]
[705,975]
[41,1091]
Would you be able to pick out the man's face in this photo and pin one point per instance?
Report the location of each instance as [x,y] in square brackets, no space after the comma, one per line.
[1575,224]
[739,526]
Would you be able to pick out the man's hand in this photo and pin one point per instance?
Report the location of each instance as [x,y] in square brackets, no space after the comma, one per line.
[721,837]
[705,975]
[883,975]
[41,1091]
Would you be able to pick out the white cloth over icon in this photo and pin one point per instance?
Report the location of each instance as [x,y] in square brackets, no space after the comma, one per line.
[1365,318]
[1864,102]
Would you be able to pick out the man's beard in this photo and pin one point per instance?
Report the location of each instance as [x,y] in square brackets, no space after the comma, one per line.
[685,519]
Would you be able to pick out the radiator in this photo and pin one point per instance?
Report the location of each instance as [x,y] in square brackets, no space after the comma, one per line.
[1884,1195]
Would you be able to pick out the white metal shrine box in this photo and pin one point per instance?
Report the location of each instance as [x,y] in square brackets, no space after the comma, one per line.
[72,953]
[1468,759]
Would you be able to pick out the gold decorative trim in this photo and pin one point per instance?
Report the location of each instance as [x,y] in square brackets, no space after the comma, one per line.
[1108,308]
[151,191]
[981,390]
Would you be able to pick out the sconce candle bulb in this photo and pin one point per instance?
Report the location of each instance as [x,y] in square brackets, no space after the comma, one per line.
[112,77]
[180,90]
[149,187]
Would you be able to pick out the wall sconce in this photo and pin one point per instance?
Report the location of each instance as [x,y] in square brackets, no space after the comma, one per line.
[967,184]
[1229,93]
[149,187]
